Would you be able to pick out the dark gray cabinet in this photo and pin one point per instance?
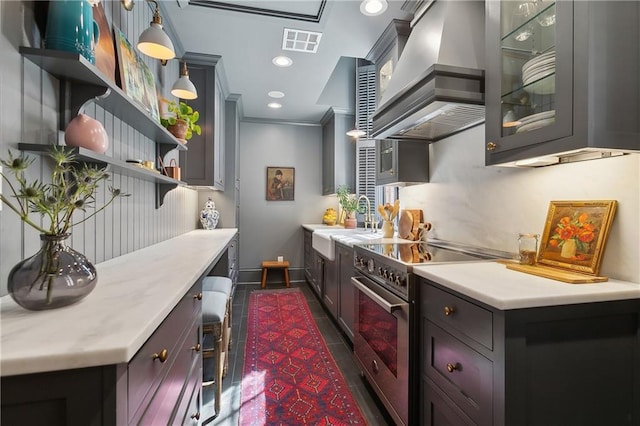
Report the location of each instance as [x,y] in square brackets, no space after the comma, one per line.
[344,272]
[331,281]
[551,91]
[330,286]
[572,364]
[313,265]
[203,164]
[338,152]
[308,253]
[401,162]
[120,394]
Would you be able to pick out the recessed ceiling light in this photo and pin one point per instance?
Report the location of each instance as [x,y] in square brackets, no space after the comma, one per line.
[274,105]
[276,94]
[373,7]
[282,61]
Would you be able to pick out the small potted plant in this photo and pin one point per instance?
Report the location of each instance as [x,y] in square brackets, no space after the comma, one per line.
[182,124]
[350,206]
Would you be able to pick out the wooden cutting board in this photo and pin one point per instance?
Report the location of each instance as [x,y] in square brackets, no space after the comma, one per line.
[417,216]
[405,225]
[556,274]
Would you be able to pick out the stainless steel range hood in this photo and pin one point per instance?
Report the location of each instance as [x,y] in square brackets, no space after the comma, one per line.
[437,87]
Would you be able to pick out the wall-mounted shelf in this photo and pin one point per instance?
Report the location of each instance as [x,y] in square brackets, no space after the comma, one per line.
[87,82]
[163,183]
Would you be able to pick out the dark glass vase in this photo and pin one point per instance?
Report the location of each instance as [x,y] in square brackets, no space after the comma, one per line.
[54,277]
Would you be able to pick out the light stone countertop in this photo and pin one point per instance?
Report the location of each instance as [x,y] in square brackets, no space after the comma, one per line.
[134,294]
[316,226]
[359,235]
[492,283]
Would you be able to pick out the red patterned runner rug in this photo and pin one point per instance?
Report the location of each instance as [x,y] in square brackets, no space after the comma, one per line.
[290,377]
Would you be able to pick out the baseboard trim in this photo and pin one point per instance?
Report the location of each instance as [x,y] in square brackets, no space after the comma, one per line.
[253,276]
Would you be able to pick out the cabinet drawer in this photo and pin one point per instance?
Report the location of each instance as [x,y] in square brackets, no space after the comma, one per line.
[145,372]
[163,406]
[438,410]
[452,312]
[188,412]
[464,374]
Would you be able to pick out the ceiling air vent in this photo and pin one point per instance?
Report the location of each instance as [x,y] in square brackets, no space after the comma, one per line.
[301,40]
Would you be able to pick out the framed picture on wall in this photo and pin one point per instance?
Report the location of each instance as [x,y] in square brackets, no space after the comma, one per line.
[280,183]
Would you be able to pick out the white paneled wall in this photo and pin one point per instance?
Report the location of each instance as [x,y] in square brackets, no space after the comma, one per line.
[29,113]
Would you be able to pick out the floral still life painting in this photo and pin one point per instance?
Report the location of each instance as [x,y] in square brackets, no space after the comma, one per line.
[575,234]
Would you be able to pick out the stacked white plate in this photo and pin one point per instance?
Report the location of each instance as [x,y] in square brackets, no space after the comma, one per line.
[536,121]
[534,72]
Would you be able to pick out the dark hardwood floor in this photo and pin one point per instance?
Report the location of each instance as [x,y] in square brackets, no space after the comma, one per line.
[369,404]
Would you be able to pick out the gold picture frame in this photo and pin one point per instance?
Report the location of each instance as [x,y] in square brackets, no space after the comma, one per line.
[575,234]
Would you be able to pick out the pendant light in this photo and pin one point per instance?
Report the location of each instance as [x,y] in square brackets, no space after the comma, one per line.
[154,41]
[183,88]
[355,132]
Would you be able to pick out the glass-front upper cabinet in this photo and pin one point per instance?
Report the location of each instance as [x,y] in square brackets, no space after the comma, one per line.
[401,162]
[386,160]
[529,73]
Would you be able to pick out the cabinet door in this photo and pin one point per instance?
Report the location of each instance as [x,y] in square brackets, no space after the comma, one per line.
[308,255]
[529,82]
[438,410]
[328,158]
[330,287]
[317,268]
[203,163]
[386,161]
[218,137]
[344,259]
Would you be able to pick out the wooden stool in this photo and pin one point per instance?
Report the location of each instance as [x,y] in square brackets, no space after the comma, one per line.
[274,264]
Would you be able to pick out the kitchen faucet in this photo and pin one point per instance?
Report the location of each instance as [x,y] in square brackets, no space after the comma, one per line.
[369,218]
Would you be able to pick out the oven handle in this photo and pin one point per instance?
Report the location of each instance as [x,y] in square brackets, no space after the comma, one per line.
[389,307]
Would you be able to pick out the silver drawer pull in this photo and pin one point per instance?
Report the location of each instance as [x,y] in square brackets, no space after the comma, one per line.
[196,348]
[198,296]
[162,356]
[448,310]
[452,367]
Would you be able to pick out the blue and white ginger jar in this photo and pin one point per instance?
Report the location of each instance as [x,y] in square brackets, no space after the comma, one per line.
[209,215]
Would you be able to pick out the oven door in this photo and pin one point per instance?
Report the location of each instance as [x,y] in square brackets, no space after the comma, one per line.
[381,344]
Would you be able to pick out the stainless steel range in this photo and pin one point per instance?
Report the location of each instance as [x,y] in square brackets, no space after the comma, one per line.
[385,309]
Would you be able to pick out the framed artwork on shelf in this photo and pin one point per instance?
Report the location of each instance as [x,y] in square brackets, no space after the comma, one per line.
[150,100]
[575,234]
[280,183]
[130,72]
[104,48]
